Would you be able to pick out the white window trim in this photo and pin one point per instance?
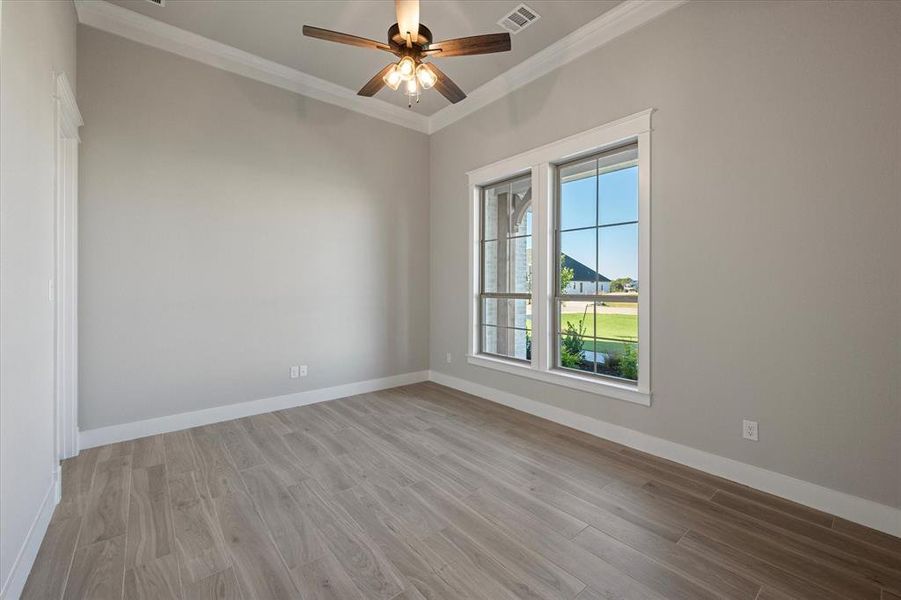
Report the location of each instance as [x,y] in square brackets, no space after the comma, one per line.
[541,162]
[65,277]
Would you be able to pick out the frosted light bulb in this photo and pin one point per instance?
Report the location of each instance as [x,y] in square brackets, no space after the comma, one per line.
[393,78]
[426,76]
[407,68]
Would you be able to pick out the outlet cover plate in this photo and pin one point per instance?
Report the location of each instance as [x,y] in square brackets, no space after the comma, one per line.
[749,430]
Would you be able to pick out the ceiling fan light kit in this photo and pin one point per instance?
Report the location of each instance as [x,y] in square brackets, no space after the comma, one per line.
[426,76]
[410,70]
[393,78]
[406,67]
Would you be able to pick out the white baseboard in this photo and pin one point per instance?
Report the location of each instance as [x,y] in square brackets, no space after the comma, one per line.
[58,483]
[18,575]
[866,512]
[137,429]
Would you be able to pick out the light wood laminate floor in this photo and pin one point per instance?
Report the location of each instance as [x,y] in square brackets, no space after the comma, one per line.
[426,492]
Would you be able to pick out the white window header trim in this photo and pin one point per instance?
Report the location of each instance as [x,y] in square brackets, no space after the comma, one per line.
[569,148]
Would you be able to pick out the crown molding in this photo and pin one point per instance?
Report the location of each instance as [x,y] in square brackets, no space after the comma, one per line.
[145,30]
[70,116]
[615,22]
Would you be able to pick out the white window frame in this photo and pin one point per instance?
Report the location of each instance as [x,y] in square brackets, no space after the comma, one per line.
[511,295]
[542,162]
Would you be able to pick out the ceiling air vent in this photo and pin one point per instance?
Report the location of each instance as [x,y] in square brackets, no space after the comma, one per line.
[158,2]
[520,18]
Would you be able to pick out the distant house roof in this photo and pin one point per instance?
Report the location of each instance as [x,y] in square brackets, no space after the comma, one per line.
[581,272]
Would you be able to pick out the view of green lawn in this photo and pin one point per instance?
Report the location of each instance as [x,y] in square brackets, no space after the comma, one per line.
[605,346]
[617,327]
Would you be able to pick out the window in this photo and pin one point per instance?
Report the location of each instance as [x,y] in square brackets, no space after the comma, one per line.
[506,269]
[596,236]
[560,262]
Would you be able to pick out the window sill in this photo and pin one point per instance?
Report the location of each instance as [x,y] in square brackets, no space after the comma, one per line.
[609,389]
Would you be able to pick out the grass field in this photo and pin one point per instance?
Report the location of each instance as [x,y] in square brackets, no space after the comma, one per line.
[618,327]
[605,346]
[622,328]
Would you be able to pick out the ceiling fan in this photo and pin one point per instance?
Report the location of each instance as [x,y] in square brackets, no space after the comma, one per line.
[411,42]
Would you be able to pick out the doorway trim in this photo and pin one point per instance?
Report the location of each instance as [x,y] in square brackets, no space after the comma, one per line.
[65,281]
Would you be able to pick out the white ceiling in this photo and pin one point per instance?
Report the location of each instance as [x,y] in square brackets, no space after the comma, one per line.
[271,29]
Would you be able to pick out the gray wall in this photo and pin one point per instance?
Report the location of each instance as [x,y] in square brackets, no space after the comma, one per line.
[230,229]
[38,39]
[775,218]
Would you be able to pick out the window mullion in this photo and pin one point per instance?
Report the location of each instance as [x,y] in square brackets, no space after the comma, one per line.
[542,270]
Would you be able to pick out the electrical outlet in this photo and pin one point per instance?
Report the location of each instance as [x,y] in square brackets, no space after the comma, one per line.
[749,430]
[295,372]
[303,370]
[450,357]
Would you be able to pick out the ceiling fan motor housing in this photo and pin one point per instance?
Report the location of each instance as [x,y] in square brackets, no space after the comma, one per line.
[398,39]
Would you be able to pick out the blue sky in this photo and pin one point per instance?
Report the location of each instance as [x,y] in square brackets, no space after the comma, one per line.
[587,202]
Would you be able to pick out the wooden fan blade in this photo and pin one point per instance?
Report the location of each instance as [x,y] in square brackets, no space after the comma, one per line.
[344,38]
[376,83]
[407,16]
[477,44]
[446,86]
